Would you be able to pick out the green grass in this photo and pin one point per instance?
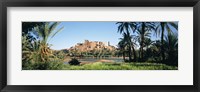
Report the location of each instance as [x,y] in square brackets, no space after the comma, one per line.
[120,66]
[56,65]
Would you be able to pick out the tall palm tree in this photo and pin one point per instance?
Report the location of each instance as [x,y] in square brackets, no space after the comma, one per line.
[156,50]
[121,45]
[127,44]
[171,42]
[171,46]
[125,28]
[134,45]
[142,35]
[161,28]
[143,31]
[45,32]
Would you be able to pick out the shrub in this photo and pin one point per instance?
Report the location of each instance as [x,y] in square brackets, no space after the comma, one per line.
[74,62]
[127,61]
[51,65]
[27,65]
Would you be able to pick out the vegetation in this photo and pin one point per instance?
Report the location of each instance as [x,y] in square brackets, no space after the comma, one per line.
[74,62]
[36,53]
[157,50]
[120,66]
[137,48]
[52,65]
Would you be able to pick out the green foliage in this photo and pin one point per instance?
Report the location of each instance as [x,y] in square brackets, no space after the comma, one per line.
[39,50]
[171,48]
[51,65]
[162,51]
[29,49]
[161,28]
[27,29]
[59,54]
[27,65]
[47,31]
[74,62]
[126,28]
[28,26]
[92,53]
[121,66]
[36,54]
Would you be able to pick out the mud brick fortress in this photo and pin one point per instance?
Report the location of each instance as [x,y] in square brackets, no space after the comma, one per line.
[92,45]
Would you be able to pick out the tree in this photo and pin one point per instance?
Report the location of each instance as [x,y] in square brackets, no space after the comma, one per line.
[147,42]
[156,50]
[44,33]
[143,31]
[125,28]
[27,29]
[122,45]
[29,49]
[161,28]
[47,30]
[171,47]
[148,53]
[28,26]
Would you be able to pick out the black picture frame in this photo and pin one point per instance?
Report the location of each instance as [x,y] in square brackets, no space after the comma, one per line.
[98,3]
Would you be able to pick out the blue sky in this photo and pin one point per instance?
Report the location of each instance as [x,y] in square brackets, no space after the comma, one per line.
[77,32]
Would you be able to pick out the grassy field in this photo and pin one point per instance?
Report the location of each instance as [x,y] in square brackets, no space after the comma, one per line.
[54,65]
[119,66]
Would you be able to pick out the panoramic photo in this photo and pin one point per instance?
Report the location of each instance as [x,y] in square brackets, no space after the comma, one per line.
[100,45]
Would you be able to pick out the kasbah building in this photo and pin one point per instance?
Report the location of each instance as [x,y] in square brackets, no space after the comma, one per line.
[92,45]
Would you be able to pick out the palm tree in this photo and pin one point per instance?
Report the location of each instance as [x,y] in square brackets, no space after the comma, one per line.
[45,32]
[142,35]
[156,50]
[143,31]
[134,45]
[148,42]
[171,46]
[161,28]
[125,28]
[122,46]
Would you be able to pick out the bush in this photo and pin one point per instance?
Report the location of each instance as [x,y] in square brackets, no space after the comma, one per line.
[51,65]
[74,62]
[27,65]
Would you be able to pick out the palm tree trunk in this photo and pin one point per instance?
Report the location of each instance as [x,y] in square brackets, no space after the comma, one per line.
[142,56]
[142,41]
[123,56]
[139,57]
[129,54]
[134,54]
[129,48]
[162,42]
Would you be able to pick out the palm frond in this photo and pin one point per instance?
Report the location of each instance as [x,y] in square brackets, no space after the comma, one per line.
[169,31]
[53,26]
[57,32]
[174,25]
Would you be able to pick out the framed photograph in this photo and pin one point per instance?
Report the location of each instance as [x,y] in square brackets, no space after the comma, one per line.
[74,45]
